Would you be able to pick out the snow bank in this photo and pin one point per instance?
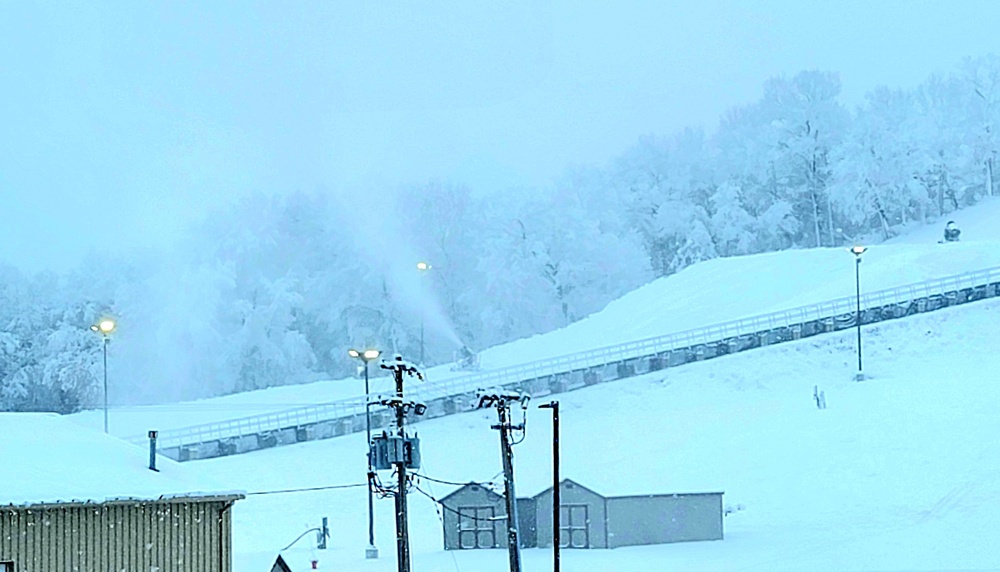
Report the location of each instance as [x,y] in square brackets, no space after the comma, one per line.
[48,459]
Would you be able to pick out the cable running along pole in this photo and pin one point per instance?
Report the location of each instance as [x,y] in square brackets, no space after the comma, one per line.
[399,368]
[502,403]
[371,551]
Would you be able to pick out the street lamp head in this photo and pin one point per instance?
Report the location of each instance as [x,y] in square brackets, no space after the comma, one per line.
[105,326]
[423,266]
[365,356]
[858,250]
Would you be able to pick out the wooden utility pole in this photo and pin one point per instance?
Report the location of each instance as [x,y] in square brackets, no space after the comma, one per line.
[502,403]
[399,368]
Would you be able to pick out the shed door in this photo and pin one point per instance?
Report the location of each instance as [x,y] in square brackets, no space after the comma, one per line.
[574,526]
[6,567]
[475,527]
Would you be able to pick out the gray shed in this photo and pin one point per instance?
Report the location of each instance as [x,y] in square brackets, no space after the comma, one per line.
[582,518]
[470,518]
[591,520]
[474,518]
[661,519]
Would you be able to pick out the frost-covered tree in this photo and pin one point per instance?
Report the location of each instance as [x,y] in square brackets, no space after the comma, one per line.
[805,123]
[982,81]
[274,288]
[878,167]
[664,190]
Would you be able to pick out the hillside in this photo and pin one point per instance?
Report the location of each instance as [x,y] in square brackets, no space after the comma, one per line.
[901,472]
[711,292]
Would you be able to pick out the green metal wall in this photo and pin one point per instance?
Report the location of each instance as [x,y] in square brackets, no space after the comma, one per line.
[182,535]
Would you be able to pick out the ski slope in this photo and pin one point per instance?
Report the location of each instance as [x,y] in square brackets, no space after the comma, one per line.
[901,472]
[711,292]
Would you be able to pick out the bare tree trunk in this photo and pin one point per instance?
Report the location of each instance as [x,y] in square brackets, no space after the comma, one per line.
[829,220]
[882,218]
[942,182]
[815,205]
[989,176]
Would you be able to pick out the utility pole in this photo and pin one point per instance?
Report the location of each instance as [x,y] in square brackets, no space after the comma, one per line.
[400,368]
[502,403]
[556,506]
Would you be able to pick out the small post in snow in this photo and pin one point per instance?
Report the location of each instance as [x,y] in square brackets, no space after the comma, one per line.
[152,451]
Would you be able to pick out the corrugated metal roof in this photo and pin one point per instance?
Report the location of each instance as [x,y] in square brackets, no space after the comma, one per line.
[47,459]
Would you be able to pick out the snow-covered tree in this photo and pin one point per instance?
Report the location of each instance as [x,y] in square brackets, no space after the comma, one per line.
[806,122]
[878,167]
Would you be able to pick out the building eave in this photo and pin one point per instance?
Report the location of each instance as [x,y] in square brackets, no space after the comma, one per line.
[163,500]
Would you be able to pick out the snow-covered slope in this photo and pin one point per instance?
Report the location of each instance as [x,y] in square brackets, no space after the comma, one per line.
[901,472]
[707,293]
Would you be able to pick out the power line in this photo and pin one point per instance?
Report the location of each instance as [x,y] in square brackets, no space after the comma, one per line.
[444,482]
[453,511]
[308,489]
[300,538]
[437,509]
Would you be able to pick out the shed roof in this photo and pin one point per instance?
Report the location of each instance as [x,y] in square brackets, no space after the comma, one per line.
[486,489]
[47,459]
[562,484]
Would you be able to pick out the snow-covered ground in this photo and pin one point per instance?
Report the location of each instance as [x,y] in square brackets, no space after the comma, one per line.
[708,293]
[901,472]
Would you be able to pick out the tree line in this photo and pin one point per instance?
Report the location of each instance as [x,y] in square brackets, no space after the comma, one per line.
[275,288]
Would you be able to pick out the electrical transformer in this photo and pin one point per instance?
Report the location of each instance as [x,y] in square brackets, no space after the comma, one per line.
[387,450]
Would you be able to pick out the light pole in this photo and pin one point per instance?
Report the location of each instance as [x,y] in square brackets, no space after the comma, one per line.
[857,251]
[367,356]
[423,267]
[556,503]
[105,327]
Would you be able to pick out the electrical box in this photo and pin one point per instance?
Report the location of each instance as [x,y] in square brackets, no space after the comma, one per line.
[411,452]
[387,450]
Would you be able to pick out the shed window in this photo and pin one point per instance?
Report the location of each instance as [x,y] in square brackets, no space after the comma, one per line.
[6,567]
[475,527]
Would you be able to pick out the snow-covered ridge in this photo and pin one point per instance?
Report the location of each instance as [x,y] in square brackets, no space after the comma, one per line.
[712,292]
[979,285]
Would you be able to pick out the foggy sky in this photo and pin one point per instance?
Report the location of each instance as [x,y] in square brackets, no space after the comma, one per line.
[120,125]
